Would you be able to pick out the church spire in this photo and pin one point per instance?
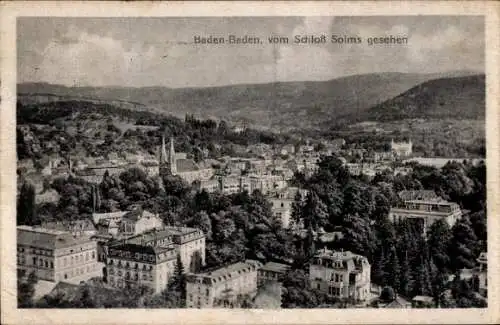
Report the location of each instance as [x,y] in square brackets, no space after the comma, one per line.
[163,151]
[172,160]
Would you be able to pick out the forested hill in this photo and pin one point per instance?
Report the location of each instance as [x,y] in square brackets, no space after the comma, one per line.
[282,105]
[461,97]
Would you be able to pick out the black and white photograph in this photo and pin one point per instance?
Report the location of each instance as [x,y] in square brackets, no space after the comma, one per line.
[253,162]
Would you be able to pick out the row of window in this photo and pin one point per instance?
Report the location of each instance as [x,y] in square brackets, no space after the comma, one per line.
[127,265]
[38,262]
[76,259]
[133,276]
[35,251]
[336,291]
[77,272]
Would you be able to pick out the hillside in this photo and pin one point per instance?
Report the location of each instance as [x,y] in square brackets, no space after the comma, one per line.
[281,105]
[461,97]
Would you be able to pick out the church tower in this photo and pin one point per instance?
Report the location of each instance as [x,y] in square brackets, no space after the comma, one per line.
[173,162]
[168,165]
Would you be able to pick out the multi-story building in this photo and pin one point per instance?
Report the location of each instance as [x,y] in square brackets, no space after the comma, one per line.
[127,223]
[210,186]
[139,221]
[56,255]
[341,274]
[130,265]
[271,272]
[402,149]
[426,211]
[161,248]
[222,286]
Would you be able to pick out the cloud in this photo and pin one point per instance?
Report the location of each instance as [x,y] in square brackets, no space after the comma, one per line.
[99,52]
[307,61]
[90,59]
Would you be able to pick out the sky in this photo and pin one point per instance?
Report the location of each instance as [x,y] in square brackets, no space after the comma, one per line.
[142,52]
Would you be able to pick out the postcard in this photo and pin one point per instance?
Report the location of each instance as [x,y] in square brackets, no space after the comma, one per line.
[249,162]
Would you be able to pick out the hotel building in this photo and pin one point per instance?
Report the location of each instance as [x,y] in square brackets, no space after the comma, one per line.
[221,287]
[341,274]
[426,211]
[56,255]
[149,258]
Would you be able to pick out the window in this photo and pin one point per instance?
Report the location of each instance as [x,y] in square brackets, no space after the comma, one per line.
[93,255]
[34,261]
[46,264]
[51,265]
[65,275]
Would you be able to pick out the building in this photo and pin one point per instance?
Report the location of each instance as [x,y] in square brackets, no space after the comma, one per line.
[130,265]
[341,274]
[77,228]
[56,255]
[173,163]
[271,272]
[210,186]
[151,257]
[426,211]
[110,216]
[222,286]
[402,149]
[282,202]
[139,221]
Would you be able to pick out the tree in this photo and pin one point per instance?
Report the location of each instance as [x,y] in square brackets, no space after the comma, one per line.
[26,290]
[406,281]
[178,283]
[463,246]
[196,262]
[358,236]
[388,294]
[438,238]
[202,221]
[392,269]
[26,206]
[314,212]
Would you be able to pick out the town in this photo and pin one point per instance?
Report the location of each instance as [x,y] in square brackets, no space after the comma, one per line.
[304,224]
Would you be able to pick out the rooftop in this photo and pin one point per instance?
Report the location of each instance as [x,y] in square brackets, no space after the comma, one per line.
[47,238]
[417,195]
[229,271]
[276,267]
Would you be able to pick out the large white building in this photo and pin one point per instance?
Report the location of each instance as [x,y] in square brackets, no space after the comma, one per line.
[55,255]
[221,287]
[402,149]
[426,211]
[341,274]
[149,258]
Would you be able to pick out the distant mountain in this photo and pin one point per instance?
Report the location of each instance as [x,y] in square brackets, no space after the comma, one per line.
[460,97]
[280,105]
